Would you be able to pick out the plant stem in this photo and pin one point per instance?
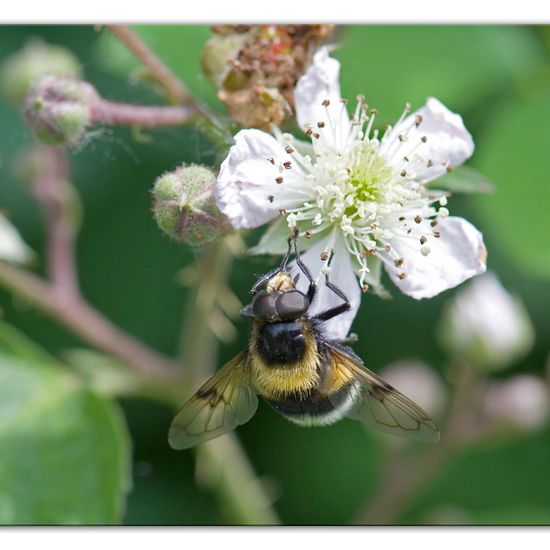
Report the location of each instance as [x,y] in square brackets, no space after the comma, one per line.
[125,114]
[222,464]
[243,496]
[79,317]
[51,189]
[175,89]
[198,348]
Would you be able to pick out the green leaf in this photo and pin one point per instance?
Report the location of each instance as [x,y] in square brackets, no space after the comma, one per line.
[514,155]
[65,450]
[14,342]
[464,179]
[457,64]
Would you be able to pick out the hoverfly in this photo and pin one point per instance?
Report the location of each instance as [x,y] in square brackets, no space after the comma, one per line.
[307,378]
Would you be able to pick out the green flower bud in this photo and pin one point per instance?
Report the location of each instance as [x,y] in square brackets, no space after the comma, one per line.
[185,208]
[58,109]
[36,59]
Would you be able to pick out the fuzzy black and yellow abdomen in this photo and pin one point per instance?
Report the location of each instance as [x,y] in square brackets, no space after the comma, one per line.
[314,408]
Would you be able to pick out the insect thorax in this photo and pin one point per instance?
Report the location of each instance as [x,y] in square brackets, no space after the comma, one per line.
[284,357]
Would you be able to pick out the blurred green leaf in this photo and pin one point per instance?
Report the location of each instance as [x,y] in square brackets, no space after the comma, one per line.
[464,179]
[13,342]
[515,153]
[65,450]
[457,64]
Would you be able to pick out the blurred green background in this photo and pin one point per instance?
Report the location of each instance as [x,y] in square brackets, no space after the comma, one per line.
[497,77]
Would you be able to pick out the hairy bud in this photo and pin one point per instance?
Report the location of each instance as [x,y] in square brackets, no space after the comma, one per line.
[185,208]
[255,68]
[58,109]
[35,60]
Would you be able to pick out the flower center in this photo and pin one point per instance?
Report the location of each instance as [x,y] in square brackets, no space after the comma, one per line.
[368,172]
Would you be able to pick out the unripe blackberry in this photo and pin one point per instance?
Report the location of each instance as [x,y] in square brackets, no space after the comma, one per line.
[185,208]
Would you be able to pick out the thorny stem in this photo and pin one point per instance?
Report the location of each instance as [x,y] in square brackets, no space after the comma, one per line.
[124,114]
[59,296]
[404,473]
[73,312]
[222,464]
[175,89]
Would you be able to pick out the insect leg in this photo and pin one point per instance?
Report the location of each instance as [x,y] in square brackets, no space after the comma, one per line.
[264,278]
[337,310]
[312,286]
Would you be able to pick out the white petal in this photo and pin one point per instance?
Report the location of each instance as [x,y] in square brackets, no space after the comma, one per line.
[247,180]
[12,247]
[343,277]
[457,255]
[447,142]
[319,83]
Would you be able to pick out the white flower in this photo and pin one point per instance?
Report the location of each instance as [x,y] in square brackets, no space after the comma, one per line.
[355,194]
[487,325]
[12,247]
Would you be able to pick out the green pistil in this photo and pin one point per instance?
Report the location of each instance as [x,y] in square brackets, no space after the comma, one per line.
[368,172]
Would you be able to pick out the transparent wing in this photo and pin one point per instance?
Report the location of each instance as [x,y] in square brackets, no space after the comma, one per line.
[226,401]
[373,401]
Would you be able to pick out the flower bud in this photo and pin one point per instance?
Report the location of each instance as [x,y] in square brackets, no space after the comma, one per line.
[12,247]
[521,402]
[185,208]
[486,325]
[36,59]
[58,109]
[255,68]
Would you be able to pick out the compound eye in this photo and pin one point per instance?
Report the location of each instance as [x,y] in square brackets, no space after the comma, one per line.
[263,306]
[292,304]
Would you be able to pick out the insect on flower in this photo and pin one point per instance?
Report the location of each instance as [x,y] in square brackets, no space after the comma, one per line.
[308,378]
[354,192]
